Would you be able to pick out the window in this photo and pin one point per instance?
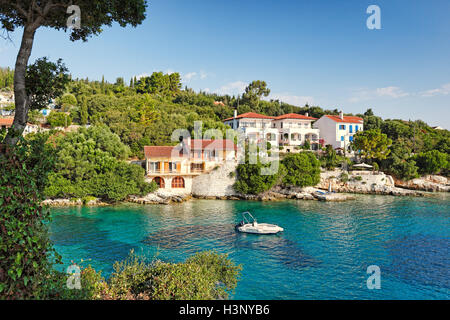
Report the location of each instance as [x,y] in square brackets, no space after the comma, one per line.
[351,138]
[356,128]
[342,127]
[155,166]
[351,129]
[159,181]
[172,166]
[178,182]
[342,138]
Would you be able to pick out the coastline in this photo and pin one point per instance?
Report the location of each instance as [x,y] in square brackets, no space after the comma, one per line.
[344,186]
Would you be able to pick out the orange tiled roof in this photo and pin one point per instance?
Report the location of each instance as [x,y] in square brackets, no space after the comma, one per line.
[196,144]
[6,122]
[217,144]
[251,115]
[294,116]
[158,151]
[347,119]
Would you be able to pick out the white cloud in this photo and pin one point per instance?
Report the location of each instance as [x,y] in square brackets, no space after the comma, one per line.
[203,75]
[393,92]
[189,76]
[360,95]
[292,99]
[142,75]
[442,90]
[232,88]
[365,94]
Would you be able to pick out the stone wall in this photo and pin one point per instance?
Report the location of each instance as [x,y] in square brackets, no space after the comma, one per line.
[216,184]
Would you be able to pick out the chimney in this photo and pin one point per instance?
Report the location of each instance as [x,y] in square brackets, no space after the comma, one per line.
[341,115]
[307,114]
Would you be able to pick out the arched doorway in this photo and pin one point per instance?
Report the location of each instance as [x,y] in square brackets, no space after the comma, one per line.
[160,182]
[178,182]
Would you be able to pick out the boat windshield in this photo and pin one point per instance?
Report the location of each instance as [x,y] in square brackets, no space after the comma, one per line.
[247,217]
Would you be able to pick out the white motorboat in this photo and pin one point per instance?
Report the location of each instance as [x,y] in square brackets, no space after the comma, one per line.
[250,225]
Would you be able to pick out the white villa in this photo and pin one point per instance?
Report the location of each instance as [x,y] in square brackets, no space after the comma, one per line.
[289,130]
[338,130]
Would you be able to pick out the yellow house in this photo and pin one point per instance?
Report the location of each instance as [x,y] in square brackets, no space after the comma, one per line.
[173,167]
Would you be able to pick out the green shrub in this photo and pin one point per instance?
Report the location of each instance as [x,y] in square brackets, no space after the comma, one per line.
[59,119]
[251,181]
[376,167]
[343,177]
[405,169]
[431,162]
[302,169]
[204,276]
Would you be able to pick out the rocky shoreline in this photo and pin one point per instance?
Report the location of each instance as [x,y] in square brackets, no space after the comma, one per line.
[344,185]
[74,203]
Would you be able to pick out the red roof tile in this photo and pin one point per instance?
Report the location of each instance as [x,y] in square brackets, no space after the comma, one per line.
[251,115]
[217,144]
[158,151]
[347,119]
[294,116]
[6,122]
[196,144]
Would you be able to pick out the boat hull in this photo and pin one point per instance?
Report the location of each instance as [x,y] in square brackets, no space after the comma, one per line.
[261,228]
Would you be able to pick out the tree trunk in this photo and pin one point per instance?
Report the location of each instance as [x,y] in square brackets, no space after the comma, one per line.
[20,93]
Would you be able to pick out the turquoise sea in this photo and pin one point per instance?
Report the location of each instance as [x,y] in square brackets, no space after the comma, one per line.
[323,253]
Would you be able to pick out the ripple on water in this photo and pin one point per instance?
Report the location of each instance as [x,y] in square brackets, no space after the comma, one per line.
[276,247]
[421,258]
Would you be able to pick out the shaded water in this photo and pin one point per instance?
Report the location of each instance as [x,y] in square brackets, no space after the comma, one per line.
[322,254]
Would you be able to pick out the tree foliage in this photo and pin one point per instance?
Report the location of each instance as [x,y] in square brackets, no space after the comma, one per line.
[431,162]
[90,162]
[26,253]
[59,119]
[302,169]
[372,144]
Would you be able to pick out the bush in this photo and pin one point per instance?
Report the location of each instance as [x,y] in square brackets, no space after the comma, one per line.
[251,181]
[343,177]
[376,167]
[405,169]
[205,276]
[302,169]
[26,253]
[59,119]
[329,160]
[431,162]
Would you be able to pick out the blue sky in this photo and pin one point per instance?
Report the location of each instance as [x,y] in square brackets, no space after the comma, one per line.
[320,52]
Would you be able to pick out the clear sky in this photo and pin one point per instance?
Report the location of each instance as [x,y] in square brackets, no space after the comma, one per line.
[314,51]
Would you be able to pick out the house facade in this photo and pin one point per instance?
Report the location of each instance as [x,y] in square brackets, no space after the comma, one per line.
[6,123]
[338,131]
[174,167]
[288,130]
